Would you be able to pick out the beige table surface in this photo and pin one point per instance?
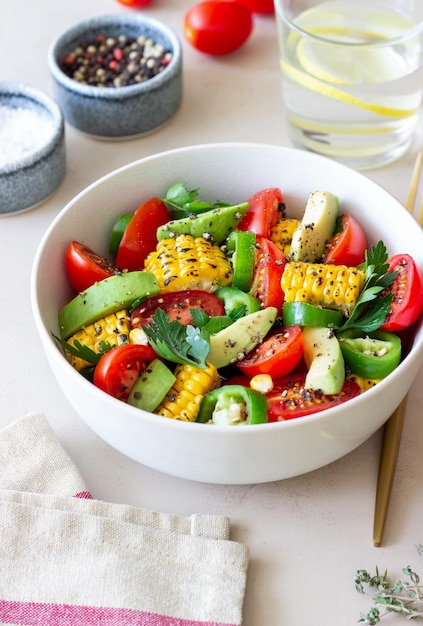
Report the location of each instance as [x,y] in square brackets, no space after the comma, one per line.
[307,535]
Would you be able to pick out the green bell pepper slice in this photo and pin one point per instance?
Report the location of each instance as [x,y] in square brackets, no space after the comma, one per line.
[373,355]
[304,314]
[241,246]
[118,230]
[232,405]
[234,298]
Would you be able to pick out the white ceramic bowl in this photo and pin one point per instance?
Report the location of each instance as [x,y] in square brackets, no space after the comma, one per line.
[228,455]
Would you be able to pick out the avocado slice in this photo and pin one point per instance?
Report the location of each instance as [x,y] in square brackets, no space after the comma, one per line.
[323,357]
[217,223]
[151,386]
[316,227]
[105,297]
[241,337]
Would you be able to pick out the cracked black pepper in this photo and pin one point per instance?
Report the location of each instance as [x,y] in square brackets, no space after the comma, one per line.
[116,61]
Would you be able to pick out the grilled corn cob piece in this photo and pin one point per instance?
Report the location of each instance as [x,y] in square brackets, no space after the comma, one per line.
[184,399]
[331,286]
[281,233]
[112,329]
[363,383]
[187,262]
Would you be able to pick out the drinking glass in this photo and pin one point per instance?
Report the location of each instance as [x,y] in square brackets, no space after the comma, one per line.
[352,76]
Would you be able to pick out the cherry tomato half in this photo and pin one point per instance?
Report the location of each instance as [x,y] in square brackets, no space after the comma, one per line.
[264,209]
[84,267]
[289,399]
[269,264]
[135,3]
[177,305]
[259,6]
[217,27]
[348,244]
[408,293]
[119,368]
[140,237]
[277,355]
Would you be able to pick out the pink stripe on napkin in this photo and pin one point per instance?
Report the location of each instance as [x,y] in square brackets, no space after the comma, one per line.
[36,613]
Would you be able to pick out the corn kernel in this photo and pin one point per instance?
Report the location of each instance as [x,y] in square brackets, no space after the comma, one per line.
[262,383]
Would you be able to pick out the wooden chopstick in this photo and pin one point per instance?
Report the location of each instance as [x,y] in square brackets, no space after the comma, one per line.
[394,426]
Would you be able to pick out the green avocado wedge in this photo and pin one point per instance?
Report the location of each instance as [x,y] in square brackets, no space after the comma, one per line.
[236,340]
[105,297]
[323,357]
[217,223]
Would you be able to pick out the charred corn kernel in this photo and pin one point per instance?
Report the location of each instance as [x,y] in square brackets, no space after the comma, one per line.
[184,399]
[262,383]
[187,262]
[112,329]
[364,383]
[281,233]
[331,286]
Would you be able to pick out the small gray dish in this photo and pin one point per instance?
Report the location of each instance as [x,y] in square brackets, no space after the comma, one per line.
[32,147]
[117,112]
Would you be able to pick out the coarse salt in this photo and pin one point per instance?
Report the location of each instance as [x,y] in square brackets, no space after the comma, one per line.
[22,132]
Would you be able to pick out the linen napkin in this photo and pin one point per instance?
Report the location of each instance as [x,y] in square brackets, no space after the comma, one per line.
[68,559]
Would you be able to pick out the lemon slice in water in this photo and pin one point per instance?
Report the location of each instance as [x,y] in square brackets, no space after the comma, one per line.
[349,65]
[319,86]
[327,68]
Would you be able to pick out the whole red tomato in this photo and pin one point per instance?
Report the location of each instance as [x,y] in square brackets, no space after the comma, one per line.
[218,27]
[259,6]
[136,4]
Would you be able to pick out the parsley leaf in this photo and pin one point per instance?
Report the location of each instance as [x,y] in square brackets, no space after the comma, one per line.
[374,302]
[212,325]
[176,342]
[183,202]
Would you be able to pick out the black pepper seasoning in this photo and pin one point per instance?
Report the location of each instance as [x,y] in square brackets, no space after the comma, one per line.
[115,61]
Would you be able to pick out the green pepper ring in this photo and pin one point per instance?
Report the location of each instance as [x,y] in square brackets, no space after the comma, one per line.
[255,403]
[304,314]
[373,355]
[242,245]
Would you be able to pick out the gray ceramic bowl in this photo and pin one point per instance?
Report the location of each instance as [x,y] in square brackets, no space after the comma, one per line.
[118,112]
[32,154]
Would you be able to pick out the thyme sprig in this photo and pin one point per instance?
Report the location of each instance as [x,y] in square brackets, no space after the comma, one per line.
[403,597]
[375,300]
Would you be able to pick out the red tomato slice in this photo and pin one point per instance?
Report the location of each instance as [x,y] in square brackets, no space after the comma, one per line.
[289,399]
[259,6]
[177,305]
[84,267]
[264,209]
[217,27]
[268,269]
[348,246]
[237,379]
[119,368]
[277,355]
[139,238]
[408,293]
